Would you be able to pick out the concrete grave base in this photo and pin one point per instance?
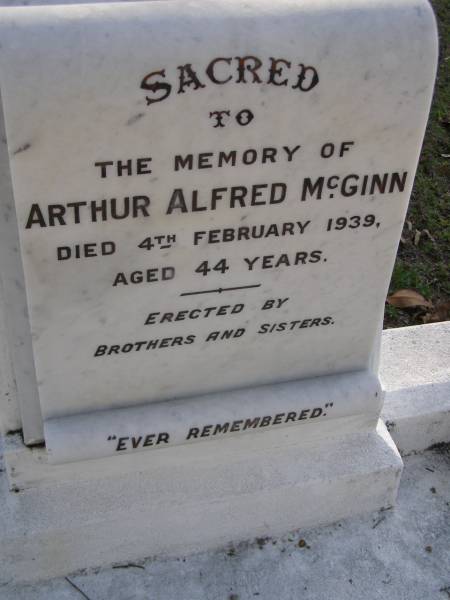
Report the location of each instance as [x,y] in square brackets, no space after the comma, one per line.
[185,502]
[67,517]
[415,373]
[400,554]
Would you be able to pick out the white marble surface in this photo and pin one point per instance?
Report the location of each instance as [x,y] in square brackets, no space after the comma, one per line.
[70,78]
[415,374]
[321,402]
[382,555]
[418,415]
[20,408]
[182,502]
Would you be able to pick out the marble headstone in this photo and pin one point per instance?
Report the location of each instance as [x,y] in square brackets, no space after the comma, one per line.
[209,198]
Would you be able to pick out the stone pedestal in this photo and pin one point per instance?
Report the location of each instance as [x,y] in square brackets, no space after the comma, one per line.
[206,496]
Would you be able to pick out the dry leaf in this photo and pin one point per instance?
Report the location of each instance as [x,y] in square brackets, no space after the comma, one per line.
[409,225]
[428,234]
[408,299]
[417,237]
[440,313]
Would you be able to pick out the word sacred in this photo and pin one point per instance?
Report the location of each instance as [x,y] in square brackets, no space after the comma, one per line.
[221,70]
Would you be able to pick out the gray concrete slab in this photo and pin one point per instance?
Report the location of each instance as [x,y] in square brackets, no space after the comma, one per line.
[403,554]
[415,373]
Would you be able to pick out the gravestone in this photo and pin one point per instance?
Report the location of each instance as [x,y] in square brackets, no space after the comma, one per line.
[209,199]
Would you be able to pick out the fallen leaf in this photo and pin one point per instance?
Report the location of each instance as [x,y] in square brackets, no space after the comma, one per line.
[408,299]
[440,313]
[428,234]
[417,237]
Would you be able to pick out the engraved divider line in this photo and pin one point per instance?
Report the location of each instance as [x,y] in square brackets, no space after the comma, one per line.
[220,290]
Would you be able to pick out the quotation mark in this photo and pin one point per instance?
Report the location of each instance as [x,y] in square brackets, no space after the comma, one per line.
[327,405]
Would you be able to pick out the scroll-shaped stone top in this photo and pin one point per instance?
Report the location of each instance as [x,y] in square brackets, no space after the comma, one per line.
[209,194]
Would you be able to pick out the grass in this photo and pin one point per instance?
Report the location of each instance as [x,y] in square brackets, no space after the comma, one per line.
[423,260]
